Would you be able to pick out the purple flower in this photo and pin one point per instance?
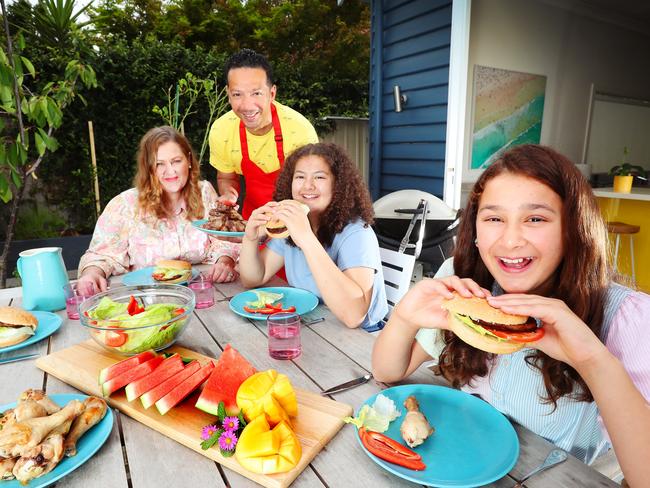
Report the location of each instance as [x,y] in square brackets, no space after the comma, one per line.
[230,424]
[207,431]
[228,441]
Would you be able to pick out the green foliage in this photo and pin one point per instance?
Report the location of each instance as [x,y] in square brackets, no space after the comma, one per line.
[627,169]
[36,222]
[139,48]
[132,80]
[39,112]
[189,91]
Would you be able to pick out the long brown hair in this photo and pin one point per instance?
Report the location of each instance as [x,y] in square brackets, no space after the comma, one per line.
[151,198]
[581,279]
[350,197]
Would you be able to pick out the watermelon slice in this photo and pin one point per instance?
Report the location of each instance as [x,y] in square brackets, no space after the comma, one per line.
[231,371]
[155,394]
[117,369]
[167,369]
[114,384]
[174,397]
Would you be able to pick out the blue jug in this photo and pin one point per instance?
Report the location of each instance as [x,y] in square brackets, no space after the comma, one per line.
[43,275]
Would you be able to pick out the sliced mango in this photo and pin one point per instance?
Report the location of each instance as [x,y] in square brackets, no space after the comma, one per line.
[267,451]
[268,393]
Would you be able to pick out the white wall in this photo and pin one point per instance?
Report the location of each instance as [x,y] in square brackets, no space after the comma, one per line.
[571,50]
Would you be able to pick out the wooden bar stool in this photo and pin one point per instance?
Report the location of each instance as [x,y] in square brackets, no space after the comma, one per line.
[621,228]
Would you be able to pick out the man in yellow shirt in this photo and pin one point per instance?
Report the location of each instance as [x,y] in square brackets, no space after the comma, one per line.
[254,138]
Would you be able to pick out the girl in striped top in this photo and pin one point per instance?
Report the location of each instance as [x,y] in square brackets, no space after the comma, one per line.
[533,242]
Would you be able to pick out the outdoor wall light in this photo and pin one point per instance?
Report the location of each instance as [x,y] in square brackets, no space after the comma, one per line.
[399,98]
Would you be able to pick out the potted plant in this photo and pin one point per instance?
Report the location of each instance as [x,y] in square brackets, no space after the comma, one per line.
[624,174]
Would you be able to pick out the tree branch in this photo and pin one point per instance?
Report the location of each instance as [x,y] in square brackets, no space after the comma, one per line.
[34,166]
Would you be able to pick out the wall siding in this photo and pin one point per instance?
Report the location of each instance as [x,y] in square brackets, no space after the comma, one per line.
[410,44]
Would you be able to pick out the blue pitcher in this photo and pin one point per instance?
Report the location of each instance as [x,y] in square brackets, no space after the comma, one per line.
[44,275]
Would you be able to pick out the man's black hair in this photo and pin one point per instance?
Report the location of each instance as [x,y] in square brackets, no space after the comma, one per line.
[247,58]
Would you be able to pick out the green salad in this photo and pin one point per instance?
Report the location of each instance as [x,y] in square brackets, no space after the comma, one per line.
[124,325]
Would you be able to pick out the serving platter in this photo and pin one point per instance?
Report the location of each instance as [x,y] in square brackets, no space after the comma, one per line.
[318,421]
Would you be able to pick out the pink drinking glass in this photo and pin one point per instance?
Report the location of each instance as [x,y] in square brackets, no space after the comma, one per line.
[284,335]
[73,298]
[203,290]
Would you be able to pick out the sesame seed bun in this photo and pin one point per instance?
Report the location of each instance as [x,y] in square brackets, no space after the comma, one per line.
[18,319]
[275,228]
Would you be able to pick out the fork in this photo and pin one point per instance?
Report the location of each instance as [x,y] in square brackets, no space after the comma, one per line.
[556,456]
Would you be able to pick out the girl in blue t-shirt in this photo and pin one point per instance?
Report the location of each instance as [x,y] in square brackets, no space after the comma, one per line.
[332,251]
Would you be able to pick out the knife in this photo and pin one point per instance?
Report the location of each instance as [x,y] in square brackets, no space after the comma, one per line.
[347,385]
[18,358]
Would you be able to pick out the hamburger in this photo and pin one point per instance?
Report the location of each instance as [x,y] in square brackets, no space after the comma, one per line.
[16,325]
[172,271]
[489,329]
[275,228]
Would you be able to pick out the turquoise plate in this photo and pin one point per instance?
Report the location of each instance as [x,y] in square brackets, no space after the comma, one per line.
[48,324]
[143,277]
[88,445]
[304,301]
[473,443]
[199,223]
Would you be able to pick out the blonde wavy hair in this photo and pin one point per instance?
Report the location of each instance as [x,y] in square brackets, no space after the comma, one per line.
[152,201]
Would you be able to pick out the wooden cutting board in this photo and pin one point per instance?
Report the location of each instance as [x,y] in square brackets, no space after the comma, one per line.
[319,419]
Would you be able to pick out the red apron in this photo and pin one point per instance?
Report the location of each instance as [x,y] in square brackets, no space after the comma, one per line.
[259,185]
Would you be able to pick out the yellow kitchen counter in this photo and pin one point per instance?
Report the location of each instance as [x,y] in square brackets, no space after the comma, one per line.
[631,208]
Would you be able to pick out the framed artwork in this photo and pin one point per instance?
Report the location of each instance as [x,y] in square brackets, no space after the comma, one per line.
[508,108]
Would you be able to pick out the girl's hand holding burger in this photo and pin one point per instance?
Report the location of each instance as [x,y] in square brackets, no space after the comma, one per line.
[295,219]
[422,305]
[259,217]
[567,338]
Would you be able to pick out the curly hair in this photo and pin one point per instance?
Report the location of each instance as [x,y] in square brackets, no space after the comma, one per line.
[581,278]
[247,58]
[152,201]
[350,197]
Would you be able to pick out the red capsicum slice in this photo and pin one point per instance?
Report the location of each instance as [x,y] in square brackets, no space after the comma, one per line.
[133,308]
[265,311]
[390,450]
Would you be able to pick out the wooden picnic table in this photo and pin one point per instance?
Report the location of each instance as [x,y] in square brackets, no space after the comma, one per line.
[136,456]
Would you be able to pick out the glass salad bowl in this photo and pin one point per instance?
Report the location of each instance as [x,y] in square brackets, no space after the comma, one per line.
[131,319]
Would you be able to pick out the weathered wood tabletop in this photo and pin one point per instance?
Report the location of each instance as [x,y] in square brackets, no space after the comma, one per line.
[136,456]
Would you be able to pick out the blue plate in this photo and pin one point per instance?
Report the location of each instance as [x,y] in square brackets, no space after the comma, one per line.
[304,301]
[199,223]
[143,277]
[473,443]
[88,445]
[48,324]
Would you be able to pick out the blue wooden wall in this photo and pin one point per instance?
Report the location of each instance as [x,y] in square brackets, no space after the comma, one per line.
[410,44]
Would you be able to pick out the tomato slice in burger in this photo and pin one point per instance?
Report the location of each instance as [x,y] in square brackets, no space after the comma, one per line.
[520,336]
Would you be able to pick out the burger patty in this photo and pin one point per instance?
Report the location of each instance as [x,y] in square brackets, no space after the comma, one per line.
[529,326]
[276,230]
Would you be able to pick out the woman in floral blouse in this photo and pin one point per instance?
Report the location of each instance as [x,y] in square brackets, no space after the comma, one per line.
[153,220]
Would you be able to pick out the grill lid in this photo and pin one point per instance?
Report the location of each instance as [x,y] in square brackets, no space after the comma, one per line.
[386,206]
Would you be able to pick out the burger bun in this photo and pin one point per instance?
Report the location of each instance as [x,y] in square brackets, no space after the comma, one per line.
[479,308]
[275,228]
[17,326]
[165,266]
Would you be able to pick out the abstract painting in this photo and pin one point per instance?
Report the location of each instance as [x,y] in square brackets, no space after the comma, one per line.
[508,109]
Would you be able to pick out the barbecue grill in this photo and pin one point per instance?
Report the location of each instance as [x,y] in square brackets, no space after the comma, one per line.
[400,225]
